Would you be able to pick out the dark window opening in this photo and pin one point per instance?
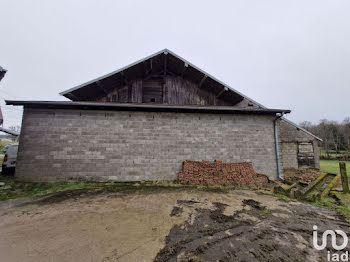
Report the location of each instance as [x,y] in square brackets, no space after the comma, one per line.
[153,100]
[306,156]
[114,98]
[108,99]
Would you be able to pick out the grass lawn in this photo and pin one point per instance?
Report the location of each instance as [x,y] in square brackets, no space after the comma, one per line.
[332,153]
[25,189]
[332,166]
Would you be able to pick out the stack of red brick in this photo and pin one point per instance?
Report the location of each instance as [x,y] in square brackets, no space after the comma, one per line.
[219,173]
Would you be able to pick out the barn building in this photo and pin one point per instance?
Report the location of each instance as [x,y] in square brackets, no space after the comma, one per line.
[142,121]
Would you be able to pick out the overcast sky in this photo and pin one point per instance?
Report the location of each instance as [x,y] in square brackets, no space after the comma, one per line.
[284,54]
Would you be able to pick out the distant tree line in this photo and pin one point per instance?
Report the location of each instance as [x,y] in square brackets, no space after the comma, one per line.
[335,135]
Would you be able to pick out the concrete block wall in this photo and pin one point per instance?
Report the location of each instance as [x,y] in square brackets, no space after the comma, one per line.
[57,144]
[289,135]
[289,154]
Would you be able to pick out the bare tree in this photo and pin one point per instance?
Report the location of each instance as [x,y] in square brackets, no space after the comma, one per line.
[306,125]
[346,132]
[335,136]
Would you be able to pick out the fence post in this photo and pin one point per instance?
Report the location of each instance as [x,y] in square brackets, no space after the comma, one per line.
[344,177]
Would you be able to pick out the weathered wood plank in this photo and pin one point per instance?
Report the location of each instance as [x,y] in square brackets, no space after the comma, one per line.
[344,177]
[183,92]
[175,90]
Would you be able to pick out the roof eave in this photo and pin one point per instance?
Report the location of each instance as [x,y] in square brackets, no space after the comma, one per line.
[112,73]
[302,129]
[144,107]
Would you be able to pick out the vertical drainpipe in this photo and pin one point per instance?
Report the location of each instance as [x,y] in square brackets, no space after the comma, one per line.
[278,159]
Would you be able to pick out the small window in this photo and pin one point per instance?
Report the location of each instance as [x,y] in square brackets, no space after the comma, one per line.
[114,98]
[108,99]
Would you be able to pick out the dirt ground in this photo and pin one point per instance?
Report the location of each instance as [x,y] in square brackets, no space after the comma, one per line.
[164,225]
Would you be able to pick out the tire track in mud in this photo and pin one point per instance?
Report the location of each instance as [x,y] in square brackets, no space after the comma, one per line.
[251,234]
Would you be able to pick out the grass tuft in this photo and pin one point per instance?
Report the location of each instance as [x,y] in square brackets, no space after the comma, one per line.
[26,189]
[278,195]
[332,204]
[266,211]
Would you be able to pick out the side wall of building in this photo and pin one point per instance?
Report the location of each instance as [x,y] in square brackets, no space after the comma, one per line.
[292,141]
[133,146]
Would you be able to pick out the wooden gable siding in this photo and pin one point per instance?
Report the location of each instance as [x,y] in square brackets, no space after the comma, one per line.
[179,91]
[175,90]
[136,91]
[152,92]
[125,94]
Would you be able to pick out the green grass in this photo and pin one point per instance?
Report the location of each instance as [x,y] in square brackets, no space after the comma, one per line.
[26,189]
[332,153]
[266,211]
[332,166]
[332,204]
[270,191]
[345,211]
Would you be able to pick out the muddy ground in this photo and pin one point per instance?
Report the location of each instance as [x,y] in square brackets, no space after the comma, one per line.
[171,224]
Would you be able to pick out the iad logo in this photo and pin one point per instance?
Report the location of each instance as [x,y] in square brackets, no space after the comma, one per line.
[334,239]
[335,256]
